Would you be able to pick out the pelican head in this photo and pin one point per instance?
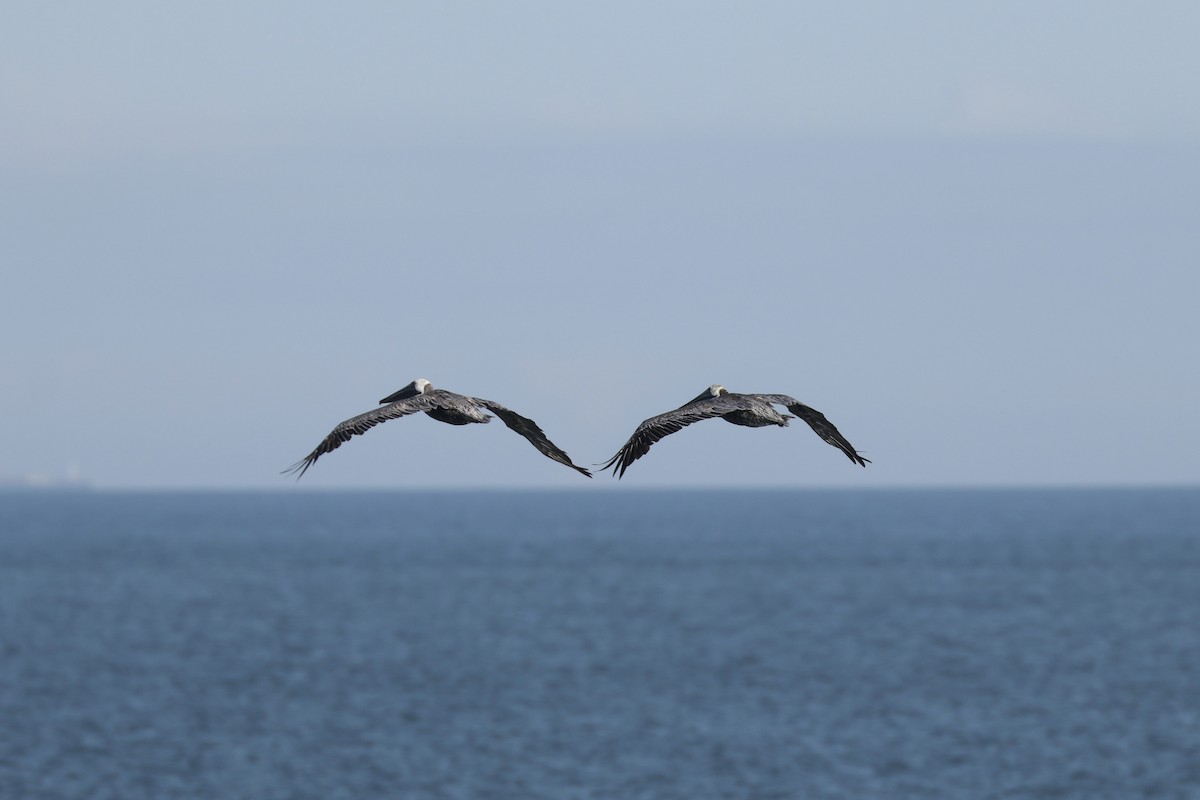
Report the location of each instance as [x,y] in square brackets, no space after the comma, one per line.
[419,386]
[716,390]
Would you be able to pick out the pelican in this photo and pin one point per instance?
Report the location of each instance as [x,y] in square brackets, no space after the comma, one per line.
[751,410]
[442,405]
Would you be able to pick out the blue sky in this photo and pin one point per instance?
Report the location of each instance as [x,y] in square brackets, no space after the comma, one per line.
[966,232]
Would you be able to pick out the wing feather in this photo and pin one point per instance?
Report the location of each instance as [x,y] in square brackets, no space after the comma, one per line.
[655,428]
[823,428]
[532,433]
[356,426]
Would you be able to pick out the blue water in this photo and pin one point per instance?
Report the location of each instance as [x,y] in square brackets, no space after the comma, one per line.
[923,644]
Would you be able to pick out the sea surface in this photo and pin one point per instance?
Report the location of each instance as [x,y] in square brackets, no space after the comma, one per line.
[604,644]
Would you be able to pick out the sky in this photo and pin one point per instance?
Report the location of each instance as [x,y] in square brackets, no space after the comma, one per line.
[967,233]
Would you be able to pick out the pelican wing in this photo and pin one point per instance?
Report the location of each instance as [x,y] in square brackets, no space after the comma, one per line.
[363,423]
[534,434]
[821,426]
[655,428]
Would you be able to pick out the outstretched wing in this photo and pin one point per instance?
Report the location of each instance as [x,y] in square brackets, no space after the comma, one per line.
[655,428]
[821,426]
[361,424]
[530,430]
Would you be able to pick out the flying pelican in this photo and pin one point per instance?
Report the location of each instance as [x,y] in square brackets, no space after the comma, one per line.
[444,406]
[751,410]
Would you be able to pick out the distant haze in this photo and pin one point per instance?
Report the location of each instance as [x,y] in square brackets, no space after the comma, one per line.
[967,234]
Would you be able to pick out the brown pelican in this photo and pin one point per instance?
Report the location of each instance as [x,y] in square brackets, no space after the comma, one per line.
[444,406]
[751,410]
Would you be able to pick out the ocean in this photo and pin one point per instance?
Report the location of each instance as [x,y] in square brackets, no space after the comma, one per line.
[607,644]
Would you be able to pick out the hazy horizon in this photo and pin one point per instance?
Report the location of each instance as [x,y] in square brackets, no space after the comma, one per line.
[966,235]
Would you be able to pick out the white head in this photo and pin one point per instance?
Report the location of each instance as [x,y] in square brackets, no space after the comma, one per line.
[419,386]
[716,390]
